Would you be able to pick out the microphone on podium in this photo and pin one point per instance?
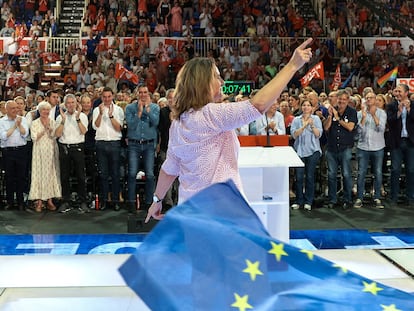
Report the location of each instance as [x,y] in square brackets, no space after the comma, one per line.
[267,134]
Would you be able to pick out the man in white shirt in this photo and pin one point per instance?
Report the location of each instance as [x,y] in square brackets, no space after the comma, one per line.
[13,133]
[272,122]
[77,60]
[107,120]
[97,77]
[71,128]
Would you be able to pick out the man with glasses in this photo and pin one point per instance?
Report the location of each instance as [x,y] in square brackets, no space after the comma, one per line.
[370,147]
[339,126]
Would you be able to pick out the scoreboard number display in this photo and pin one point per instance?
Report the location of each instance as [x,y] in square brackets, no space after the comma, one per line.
[237,87]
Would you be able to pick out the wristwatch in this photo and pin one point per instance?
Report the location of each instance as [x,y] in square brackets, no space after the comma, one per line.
[156,199]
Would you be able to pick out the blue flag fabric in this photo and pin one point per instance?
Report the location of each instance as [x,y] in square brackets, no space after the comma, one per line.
[213,253]
[346,82]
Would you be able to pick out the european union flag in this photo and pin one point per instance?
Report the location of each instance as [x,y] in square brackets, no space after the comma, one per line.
[212,253]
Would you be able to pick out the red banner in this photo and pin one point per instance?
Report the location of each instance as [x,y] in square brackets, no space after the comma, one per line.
[22,50]
[316,71]
[49,57]
[337,80]
[122,73]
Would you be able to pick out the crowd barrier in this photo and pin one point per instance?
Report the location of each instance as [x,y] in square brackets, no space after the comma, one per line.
[202,44]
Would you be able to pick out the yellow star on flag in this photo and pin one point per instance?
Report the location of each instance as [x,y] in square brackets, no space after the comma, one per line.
[241,302]
[252,269]
[371,287]
[308,253]
[277,250]
[343,269]
[390,308]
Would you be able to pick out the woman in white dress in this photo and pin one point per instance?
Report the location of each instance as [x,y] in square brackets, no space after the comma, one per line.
[45,182]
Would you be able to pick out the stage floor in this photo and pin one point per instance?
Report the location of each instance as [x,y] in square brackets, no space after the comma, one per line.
[91,282]
[51,261]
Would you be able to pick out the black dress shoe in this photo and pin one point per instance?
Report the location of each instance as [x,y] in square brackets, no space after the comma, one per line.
[102,206]
[64,208]
[331,205]
[346,206]
[132,209]
[8,207]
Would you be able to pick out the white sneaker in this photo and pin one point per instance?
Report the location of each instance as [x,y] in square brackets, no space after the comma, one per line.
[358,203]
[307,207]
[378,204]
[295,206]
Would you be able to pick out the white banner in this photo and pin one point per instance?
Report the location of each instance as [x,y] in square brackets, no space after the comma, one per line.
[408,81]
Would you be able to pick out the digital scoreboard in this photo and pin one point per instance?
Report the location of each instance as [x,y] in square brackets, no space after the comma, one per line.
[237,87]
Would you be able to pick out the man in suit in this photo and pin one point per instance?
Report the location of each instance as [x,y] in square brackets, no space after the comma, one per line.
[400,120]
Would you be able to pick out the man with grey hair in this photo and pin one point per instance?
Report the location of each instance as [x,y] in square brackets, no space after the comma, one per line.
[13,133]
[71,128]
[339,126]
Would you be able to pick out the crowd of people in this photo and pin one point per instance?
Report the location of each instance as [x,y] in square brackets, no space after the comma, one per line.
[105,137]
[117,138]
[94,119]
[257,59]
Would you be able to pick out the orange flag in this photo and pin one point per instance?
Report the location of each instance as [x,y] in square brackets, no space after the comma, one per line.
[316,71]
[122,73]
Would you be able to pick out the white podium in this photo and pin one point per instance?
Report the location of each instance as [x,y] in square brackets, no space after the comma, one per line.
[265,177]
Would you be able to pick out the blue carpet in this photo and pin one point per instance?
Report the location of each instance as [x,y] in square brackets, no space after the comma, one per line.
[83,244]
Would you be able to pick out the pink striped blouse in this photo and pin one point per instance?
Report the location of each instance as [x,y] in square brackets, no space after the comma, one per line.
[203,146]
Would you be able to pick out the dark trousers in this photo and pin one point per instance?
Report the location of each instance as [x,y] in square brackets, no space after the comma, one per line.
[136,153]
[72,157]
[108,155]
[15,161]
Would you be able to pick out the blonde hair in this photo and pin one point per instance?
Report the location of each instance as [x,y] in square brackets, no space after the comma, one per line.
[193,86]
[384,99]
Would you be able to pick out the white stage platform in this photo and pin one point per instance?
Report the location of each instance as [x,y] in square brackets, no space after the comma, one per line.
[92,282]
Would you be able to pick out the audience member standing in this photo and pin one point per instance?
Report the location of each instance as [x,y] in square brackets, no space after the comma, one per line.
[13,133]
[306,130]
[108,119]
[45,179]
[142,121]
[400,119]
[90,157]
[71,128]
[176,19]
[339,126]
[370,148]
[272,122]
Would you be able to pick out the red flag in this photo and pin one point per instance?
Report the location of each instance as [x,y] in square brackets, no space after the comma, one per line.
[316,71]
[122,73]
[14,78]
[49,57]
[337,80]
[22,50]
[20,33]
